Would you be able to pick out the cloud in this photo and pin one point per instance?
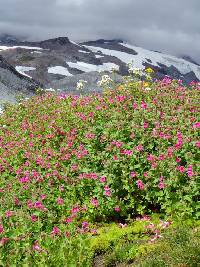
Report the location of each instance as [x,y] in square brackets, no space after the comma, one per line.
[170,26]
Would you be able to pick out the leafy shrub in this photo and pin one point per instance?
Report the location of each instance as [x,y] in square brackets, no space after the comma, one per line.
[179,247]
[68,161]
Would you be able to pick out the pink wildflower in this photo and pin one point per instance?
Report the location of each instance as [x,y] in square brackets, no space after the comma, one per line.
[139,147]
[161,157]
[74,167]
[127,152]
[43,197]
[16,201]
[161,184]
[178,160]
[68,219]
[75,209]
[106,187]
[93,231]
[39,205]
[135,105]
[196,125]
[123,225]
[24,179]
[102,179]
[197,144]
[60,201]
[133,174]
[67,234]
[115,157]
[30,204]
[8,214]
[143,105]
[150,226]
[190,172]
[4,240]
[181,169]
[55,231]
[90,136]
[145,125]
[108,193]
[34,218]
[85,225]
[150,157]
[1,229]
[36,246]
[165,224]
[95,202]
[117,209]
[107,190]
[140,184]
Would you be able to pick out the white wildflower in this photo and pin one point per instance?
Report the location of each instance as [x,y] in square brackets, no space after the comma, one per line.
[50,90]
[133,70]
[114,69]
[147,89]
[130,68]
[80,84]
[105,80]
[138,71]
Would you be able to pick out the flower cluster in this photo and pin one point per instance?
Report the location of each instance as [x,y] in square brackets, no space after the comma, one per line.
[67,161]
[105,81]
[80,84]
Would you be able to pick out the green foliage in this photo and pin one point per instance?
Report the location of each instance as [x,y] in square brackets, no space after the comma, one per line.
[68,162]
[112,234]
[179,247]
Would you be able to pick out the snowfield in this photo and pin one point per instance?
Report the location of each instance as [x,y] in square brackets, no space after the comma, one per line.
[36,52]
[23,69]
[99,56]
[82,51]
[86,67]
[59,70]
[182,65]
[24,47]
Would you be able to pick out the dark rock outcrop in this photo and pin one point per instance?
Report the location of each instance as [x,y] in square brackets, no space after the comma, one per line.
[12,83]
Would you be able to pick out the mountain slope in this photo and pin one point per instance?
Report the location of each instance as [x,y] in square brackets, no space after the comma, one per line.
[142,57]
[13,83]
[54,62]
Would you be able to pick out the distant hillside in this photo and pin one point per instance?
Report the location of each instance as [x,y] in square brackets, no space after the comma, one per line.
[13,83]
[51,61]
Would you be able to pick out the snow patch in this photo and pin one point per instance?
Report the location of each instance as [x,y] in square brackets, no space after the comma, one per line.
[98,56]
[59,70]
[24,47]
[75,43]
[22,69]
[36,52]
[82,51]
[86,67]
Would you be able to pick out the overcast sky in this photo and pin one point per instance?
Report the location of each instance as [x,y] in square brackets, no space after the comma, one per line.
[171,26]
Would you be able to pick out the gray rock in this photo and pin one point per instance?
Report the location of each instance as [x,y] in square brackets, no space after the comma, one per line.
[69,84]
[12,83]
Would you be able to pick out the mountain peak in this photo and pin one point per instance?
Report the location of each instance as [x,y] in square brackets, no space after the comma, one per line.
[8,39]
[58,40]
[188,58]
[104,41]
